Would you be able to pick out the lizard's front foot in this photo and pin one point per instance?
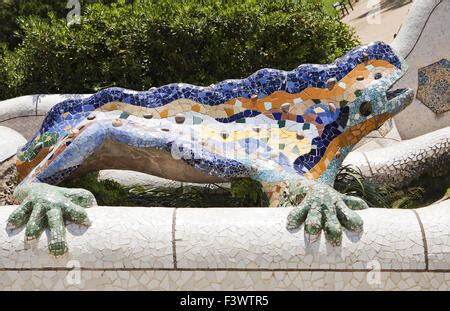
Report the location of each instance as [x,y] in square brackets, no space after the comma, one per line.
[44,205]
[325,208]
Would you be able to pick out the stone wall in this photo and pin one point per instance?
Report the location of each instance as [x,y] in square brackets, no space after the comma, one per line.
[424,41]
[26,113]
[232,249]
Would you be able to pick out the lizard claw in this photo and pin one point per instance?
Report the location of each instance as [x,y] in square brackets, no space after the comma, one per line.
[46,205]
[86,222]
[323,208]
[10,226]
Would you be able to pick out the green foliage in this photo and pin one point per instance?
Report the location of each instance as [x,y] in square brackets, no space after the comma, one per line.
[152,43]
[243,192]
[407,198]
[435,185]
[106,192]
[209,196]
[350,181]
[10,10]
[423,191]
[187,196]
[249,191]
[328,6]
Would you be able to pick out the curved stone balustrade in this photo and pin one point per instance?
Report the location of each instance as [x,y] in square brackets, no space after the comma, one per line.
[232,249]
[422,41]
[402,162]
[9,143]
[32,105]
[26,113]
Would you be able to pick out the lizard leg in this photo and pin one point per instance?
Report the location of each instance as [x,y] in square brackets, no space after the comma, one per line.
[274,192]
[46,205]
[281,193]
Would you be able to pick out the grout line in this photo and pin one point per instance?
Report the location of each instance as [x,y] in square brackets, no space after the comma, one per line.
[174,245]
[373,137]
[424,239]
[37,103]
[227,269]
[27,116]
[368,163]
[422,30]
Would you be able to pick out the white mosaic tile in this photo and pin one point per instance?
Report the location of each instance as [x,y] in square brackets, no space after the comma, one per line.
[257,238]
[231,280]
[436,223]
[118,238]
[17,107]
[401,162]
[231,249]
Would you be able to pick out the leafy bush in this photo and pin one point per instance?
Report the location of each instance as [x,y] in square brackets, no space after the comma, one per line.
[350,180]
[151,43]
[423,191]
[243,192]
[249,191]
[11,9]
[106,192]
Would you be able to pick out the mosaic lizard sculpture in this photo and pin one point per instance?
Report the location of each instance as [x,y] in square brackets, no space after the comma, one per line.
[288,130]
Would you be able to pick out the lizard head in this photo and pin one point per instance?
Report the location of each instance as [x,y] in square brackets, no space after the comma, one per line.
[360,102]
[374,99]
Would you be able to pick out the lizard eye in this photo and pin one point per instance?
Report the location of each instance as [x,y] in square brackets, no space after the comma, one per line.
[365,109]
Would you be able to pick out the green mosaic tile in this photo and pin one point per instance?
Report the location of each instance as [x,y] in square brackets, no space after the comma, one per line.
[124,115]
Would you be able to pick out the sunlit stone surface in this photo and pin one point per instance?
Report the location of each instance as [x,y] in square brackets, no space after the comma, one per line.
[212,249]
